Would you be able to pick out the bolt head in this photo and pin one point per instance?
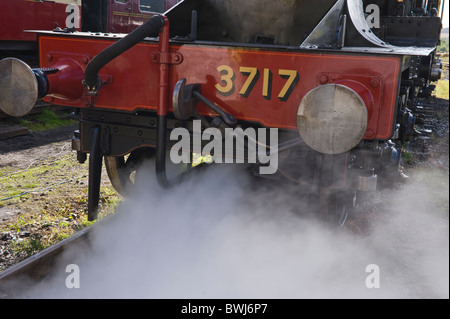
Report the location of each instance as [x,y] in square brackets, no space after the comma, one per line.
[323,79]
[375,83]
[370,133]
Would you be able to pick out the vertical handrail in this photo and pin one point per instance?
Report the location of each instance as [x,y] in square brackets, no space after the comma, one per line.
[163,102]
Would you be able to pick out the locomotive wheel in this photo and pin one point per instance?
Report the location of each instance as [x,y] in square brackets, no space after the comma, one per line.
[122,170]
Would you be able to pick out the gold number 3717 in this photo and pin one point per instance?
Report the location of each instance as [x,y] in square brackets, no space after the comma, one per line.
[227,87]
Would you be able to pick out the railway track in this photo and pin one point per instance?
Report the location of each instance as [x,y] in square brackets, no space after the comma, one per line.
[36,268]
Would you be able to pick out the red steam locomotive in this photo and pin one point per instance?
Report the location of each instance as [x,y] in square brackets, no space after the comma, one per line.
[337,79]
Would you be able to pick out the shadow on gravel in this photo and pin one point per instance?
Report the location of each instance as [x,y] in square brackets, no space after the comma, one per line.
[36,139]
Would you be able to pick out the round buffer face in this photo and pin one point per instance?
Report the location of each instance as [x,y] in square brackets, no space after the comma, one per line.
[332,119]
[18,87]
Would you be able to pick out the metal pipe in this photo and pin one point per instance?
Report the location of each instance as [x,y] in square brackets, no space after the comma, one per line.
[163,105]
[229,119]
[95,174]
[150,28]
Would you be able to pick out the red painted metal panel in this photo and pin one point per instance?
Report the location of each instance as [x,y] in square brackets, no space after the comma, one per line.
[19,15]
[252,84]
[119,16]
[124,17]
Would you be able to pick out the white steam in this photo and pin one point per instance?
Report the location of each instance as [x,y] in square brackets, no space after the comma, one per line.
[214,237]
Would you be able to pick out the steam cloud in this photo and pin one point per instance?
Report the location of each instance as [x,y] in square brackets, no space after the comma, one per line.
[214,237]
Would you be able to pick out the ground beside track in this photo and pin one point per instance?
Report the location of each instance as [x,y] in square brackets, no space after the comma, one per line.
[43,192]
